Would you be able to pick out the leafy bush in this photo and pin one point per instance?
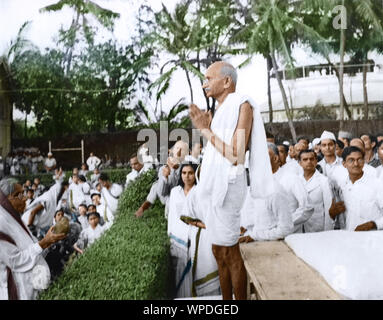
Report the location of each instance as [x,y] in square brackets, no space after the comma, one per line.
[46,179]
[130,261]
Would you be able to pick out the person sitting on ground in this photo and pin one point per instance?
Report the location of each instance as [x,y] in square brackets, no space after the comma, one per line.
[50,163]
[84,170]
[58,254]
[110,192]
[26,186]
[361,193]
[89,235]
[38,216]
[94,178]
[40,188]
[102,208]
[76,194]
[85,188]
[30,197]
[75,171]
[82,218]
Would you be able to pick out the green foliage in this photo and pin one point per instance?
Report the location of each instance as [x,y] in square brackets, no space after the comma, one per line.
[318,112]
[96,94]
[46,179]
[130,261]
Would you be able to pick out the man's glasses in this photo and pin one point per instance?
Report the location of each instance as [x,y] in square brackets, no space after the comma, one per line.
[359,161]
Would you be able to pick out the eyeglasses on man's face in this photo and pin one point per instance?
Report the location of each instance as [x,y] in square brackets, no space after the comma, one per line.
[351,161]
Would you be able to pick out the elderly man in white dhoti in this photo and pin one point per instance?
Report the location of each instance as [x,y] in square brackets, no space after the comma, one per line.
[222,186]
[23,270]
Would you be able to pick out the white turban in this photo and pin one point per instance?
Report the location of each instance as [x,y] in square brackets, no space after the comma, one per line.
[327,135]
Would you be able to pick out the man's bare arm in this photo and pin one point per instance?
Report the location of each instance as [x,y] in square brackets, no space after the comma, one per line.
[235,152]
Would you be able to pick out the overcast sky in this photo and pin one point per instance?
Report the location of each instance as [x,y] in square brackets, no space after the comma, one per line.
[44,27]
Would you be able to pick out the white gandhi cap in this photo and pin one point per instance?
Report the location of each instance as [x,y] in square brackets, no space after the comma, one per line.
[327,135]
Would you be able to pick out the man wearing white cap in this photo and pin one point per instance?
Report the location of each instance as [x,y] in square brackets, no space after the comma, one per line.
[330,160]
[50,163]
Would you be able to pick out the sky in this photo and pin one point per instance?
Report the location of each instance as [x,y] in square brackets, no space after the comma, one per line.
[44,28]
[252,79]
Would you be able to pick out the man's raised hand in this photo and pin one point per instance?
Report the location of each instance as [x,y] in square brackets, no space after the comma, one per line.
[201,119]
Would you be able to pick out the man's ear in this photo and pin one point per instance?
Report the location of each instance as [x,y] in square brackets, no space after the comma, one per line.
[373,144]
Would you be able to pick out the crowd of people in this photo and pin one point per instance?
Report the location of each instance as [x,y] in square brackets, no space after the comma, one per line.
[30,161]
[243,186]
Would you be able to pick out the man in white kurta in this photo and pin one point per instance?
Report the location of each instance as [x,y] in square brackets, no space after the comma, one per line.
[297,197]
[110,193]
[361,193]
[319,194]
[266,219]
[222,186]
[138,168]
[23,270]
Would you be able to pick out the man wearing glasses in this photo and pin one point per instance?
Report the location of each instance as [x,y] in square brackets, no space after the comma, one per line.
[361,194]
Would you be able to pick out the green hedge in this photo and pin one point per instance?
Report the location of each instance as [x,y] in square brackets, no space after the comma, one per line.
[115,175]
[130,261]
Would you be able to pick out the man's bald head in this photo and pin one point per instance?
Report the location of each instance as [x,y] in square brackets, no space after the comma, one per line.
[357,142]
[227,70]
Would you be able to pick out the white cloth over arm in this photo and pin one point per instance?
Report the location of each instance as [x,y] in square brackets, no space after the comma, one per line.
[268,219]
[111,196]
[23,259]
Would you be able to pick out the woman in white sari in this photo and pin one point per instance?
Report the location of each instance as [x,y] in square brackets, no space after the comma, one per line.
[179,232]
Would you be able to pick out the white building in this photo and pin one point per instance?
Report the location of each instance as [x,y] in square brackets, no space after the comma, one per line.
[321,87]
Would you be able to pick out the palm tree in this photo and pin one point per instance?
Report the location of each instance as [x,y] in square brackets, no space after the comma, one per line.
[275,27]
[82,9]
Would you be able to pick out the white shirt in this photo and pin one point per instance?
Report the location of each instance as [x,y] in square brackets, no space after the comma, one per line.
[320,197]
[93,162]
[83,221]
[267,219]
[76,195]
[89,235]
[293,167]
[328,168]
[110,196]
[297,197]
[50,162]
[363,201]
[134,174]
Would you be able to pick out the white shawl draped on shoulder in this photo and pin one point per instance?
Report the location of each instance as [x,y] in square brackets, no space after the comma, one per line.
[216,170]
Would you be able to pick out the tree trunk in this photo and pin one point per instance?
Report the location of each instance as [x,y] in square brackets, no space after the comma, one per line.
[190,86]
[25,125]
[269,67]
[341,69]
[284,97]
[345,104]
[365,96]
